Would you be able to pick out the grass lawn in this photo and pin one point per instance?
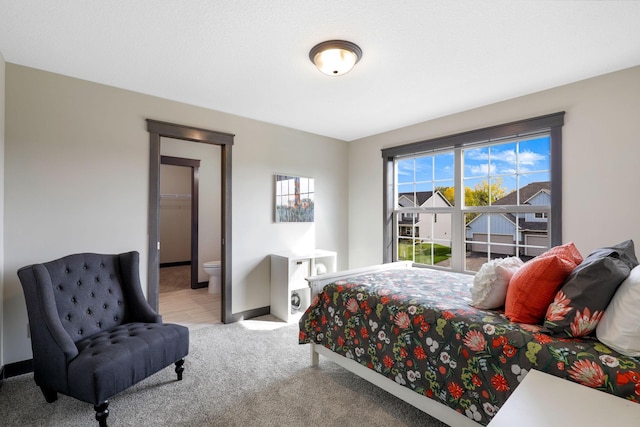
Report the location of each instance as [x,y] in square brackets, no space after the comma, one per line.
[423,253]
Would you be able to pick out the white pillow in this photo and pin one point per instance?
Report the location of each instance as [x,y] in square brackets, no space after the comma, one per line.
[491,282]
[619,327]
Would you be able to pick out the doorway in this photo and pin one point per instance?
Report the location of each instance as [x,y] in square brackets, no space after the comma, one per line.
[179,206]
[157,130]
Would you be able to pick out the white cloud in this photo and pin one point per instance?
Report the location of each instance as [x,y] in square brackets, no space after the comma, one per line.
[507,158]
[531,158]
[481,169]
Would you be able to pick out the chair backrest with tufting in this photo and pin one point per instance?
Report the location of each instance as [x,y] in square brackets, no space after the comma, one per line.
[88,292]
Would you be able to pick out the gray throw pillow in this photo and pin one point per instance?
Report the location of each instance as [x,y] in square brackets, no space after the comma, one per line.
[579,304]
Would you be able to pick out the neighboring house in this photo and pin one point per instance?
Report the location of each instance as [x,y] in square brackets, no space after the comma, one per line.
[532,229]
[425,226]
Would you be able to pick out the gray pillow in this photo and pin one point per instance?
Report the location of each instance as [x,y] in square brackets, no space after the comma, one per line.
[579,304]
[624,251]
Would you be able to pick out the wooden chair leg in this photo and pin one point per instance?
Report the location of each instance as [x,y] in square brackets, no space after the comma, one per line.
[102,412]
[180,368]
[49,395]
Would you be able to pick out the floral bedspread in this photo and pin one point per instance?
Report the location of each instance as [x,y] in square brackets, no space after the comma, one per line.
[416,327]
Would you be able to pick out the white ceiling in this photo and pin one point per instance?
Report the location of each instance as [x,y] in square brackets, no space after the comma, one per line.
[422,59]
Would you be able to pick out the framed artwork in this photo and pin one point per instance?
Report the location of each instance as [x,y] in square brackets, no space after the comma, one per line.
[294,198]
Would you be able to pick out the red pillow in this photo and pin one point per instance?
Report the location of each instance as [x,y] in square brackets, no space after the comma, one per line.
[534,285]
[567,251]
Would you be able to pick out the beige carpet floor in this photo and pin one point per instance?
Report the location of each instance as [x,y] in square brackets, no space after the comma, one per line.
[250,373]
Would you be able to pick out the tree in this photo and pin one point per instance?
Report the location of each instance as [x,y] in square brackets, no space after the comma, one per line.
[447,193]
[479,195]
[483,193]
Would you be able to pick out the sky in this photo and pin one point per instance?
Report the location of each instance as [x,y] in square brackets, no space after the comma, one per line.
[516,163]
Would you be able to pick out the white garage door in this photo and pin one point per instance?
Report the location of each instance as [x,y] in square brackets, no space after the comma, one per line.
[535,240]
[495,238]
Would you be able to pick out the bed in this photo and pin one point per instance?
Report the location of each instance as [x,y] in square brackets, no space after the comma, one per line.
[412,332]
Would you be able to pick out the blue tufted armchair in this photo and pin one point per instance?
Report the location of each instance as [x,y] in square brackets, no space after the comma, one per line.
[93,334]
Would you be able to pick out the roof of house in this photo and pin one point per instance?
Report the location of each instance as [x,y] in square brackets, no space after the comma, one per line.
[526,193]
[420,196]
[530,225]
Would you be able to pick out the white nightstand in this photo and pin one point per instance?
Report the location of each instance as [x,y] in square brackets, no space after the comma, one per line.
[290,293]
[545,400]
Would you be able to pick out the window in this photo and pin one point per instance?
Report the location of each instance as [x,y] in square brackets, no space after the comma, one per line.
[456,202]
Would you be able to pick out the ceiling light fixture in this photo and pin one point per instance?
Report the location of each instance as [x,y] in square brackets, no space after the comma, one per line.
[335,57]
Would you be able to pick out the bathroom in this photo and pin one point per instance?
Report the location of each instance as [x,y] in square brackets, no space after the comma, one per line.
[190,182]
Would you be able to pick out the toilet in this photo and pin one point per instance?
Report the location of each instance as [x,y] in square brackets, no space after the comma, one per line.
[212,268]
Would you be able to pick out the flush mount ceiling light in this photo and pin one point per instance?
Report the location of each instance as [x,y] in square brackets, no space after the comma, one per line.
[335,57]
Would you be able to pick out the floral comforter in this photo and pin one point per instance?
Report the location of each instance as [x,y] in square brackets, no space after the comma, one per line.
[416,327]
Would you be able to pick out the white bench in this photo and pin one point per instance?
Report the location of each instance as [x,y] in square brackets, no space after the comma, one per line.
[545,400]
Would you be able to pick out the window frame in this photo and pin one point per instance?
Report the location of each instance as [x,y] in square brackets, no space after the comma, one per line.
[550,123]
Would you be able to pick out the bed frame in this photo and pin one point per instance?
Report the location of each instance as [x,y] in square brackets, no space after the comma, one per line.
[425,404]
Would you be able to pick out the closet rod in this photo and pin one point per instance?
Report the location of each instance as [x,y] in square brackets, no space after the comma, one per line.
[175,196]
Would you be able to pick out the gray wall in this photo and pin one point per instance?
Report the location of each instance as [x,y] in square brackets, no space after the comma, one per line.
[77,161]
[76,177]
[601,148]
